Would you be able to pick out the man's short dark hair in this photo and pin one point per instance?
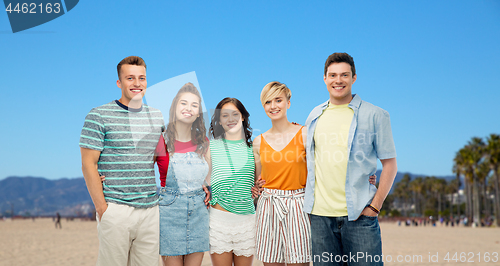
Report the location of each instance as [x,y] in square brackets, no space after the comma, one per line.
[340,58]
[131,60]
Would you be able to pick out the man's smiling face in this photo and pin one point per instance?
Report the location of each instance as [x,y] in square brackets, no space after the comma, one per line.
[339,80]
[132,82]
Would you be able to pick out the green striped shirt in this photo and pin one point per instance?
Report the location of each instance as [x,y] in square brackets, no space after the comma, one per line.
[233,171]
[127,139]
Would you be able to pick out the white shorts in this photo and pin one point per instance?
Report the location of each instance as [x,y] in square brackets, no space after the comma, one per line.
[232,232]
[283,228]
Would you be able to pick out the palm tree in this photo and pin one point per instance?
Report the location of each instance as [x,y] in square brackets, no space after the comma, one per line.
[490,187]
[436,187]
[473,156]
[417,187]
[439,188]
[468,173]
[493,157]
[458,165]
[402,192]
[482,173]
[451,189]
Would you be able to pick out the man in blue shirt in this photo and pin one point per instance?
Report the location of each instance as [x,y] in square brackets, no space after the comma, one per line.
[345,138]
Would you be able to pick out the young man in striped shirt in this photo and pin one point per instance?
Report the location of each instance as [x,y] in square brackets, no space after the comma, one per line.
[118,140]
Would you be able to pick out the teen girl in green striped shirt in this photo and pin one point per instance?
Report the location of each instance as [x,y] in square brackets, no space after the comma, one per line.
[232,212]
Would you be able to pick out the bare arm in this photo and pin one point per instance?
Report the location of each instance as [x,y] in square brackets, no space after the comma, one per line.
[206,184]
[257,188]
[208,158]
[389,170]
[256,155]
[92,179]
[304,136]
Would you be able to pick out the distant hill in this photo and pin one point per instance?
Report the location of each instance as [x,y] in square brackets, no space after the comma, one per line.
[400,175]
[41,196]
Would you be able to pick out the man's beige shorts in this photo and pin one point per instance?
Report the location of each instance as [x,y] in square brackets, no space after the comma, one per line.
[128,236]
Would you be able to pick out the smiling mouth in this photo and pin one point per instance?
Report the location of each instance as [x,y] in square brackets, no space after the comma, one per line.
[274,112]
[338,88]
[136,90]
[186,114]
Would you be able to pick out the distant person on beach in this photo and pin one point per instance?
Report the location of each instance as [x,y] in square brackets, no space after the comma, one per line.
[119,140]
[58,221]
[345,138]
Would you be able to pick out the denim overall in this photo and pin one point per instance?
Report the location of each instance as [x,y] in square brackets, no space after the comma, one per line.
[183,214]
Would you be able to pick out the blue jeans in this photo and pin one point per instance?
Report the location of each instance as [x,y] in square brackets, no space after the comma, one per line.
[337,241]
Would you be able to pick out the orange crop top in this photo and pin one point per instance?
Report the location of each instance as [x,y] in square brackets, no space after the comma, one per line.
[285,169]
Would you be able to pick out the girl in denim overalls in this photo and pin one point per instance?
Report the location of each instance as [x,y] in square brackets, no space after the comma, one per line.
[183,214]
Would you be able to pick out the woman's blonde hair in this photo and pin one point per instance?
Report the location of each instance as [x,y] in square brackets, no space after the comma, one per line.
[272,90]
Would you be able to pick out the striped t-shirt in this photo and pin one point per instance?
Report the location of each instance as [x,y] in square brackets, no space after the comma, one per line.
[233,171]
[127,139]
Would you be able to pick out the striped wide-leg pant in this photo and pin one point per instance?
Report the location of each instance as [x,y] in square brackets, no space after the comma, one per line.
[283,228]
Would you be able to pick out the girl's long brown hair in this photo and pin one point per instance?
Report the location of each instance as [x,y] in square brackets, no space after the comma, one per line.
[198,130]
[216,129]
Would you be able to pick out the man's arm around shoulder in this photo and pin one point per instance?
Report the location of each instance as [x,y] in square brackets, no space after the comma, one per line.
[92,179]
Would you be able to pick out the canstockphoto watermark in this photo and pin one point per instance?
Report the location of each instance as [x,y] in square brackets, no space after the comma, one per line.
[31,13]
[350,258]
[431,257]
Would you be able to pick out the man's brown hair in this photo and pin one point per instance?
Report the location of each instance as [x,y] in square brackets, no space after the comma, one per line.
[131,60]
[340,58]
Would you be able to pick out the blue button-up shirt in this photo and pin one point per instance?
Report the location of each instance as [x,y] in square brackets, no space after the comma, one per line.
[370,137]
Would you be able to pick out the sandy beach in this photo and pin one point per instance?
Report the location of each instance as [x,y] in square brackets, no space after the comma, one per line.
[27,242]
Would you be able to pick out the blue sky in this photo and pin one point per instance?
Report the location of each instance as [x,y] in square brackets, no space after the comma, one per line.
[432,64]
